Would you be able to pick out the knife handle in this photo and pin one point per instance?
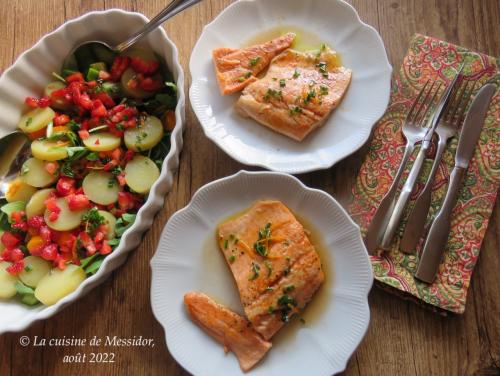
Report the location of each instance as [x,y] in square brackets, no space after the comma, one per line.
[415,224]
[403,198]
[439,231]
[379,221]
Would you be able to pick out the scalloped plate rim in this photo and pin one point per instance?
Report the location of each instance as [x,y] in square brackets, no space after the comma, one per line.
[156,263]
[322,164]
[145,215]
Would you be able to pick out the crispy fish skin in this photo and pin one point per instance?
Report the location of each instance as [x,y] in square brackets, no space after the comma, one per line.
[297,94]
[291,266]
[237,68]
[234,332]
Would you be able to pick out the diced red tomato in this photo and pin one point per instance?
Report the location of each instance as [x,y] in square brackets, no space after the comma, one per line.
[150,84]
[77,202]
[98,109]
[106,248]
[88,243]
[84,134]
[51,167]
[36,221]
[142,66]
[49,252]
[105,76]
[65,186]
[16,268]
[61,120]
[41,103]
[104,98]
[75,77]
[16,255]
[120,64]
[10,240]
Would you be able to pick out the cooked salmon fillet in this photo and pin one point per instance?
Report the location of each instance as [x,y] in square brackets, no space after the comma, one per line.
[230,329]
[276,268]
[298,92]
[236,68]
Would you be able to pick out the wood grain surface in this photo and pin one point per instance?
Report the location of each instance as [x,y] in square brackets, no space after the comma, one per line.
[403,339]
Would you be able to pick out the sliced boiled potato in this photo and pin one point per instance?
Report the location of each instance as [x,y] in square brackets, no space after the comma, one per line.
[60,103]
[140,174]
[36,119]
[34,173]
[58,283]
[7,282]
[145,137]
[35,268]
[48,150]
[110,222]
[103,141]
[18,190]
[67,220]
[101,187]
[137,92]
[36,204]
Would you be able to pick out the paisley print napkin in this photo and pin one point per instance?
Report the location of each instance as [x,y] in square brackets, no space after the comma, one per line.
[430,58]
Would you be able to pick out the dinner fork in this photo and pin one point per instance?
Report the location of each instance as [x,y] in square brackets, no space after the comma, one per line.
[413,132]
[451,121]
[409,184]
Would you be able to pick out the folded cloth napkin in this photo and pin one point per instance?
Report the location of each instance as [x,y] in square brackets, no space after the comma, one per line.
[430,58]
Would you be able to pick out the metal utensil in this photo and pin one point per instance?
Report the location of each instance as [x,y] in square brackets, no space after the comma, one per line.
[175,7]
[450,123]
[440,228]
[414,133]
[405,193]
[14,150]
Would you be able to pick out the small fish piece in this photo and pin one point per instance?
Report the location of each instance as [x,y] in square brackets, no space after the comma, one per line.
[276,268]
[298,92]
[237,68]
[234,332]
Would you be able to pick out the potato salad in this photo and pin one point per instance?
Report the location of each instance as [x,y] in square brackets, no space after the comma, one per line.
[99,134]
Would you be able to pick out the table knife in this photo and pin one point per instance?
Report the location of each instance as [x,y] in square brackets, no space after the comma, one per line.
[440,228]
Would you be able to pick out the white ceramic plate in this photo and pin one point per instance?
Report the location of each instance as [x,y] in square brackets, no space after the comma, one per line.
[188,259]
[29,75]
[346,130]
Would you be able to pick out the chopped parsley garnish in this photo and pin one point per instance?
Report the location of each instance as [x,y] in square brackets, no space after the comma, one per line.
[111,182]
[286,304]
[254,61]
[246,76]
[232,259]
[262,243]
[92,157]
[28,268]
[271,93]
[288,289]
[323,90]
[296,74]
[255,270]
[310,95]
[270,309]
[282,82]
[28,122]
[269,267]
[322,68]
[226,243]
[295,110]
[92,220]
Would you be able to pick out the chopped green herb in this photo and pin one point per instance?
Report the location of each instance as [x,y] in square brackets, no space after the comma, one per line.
[111,182]
[282,82]
[246,76]
[310,95]
[288,288]
[226,242]
[264,234]
[271,93]
[28,268]
[286,304]
[28,122]
[270,309]
[322,68]
[232,259]
[296,74]
[92,157]
[92,220]
[269,288]
[255,270]
[295,110]
[323,90]
[254,61]
[269,267]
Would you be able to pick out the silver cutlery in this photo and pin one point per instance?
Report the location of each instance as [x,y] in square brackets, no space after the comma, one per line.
[395,218]
[413,132]
[440,228]
[448,127]
[175,7]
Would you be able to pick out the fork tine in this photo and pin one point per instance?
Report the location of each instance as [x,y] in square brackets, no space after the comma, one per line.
[424,102]
[466,98]
[457,101]
[452,104]
[430,103]
[416,101]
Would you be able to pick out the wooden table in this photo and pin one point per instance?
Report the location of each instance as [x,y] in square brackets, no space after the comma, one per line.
[403,339]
